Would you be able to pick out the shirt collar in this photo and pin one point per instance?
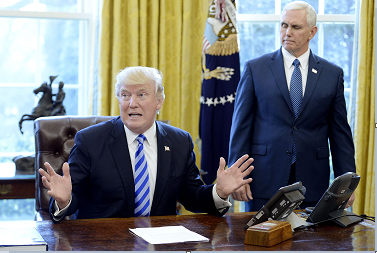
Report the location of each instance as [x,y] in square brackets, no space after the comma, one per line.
[149,134]
[288,58]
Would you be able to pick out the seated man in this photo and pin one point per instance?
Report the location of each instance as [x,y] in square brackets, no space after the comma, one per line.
[108,158]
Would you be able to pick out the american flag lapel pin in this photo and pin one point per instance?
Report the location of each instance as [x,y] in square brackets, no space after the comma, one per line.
[167,148]
[314,71]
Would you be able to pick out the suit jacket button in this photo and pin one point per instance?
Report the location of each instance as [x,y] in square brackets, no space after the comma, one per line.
[288,153]
[295,128]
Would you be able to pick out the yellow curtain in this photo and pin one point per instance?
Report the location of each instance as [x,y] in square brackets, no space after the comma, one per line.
[163,34]
[365,114]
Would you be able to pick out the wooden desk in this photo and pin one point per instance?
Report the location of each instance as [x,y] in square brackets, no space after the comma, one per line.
[225,234]
[16,185]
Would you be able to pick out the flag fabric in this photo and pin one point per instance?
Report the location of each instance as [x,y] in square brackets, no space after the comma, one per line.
[220,77]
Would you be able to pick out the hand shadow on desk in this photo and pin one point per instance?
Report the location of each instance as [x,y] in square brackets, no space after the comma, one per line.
[61,241]
[139,243]
[221,231]
[142,245]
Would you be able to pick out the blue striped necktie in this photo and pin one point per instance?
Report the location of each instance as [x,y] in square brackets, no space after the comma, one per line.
[295,92]
[142,201]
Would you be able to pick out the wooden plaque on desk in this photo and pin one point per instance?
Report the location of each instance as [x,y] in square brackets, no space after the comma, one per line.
[268,233]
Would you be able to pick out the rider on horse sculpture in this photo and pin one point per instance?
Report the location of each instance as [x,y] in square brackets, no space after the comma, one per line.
[46,106]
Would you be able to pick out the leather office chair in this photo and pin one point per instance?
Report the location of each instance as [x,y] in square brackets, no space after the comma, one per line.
[54,139]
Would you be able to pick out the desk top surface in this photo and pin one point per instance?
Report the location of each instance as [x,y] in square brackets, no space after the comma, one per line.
[226,233]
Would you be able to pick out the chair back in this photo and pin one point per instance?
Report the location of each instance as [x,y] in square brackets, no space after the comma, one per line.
[54,139]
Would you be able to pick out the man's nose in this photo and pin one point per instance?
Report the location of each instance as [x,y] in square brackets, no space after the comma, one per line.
[133,101]
[288,31]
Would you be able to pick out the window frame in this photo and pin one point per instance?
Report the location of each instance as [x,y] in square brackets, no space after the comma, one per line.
[85,45]
[321,18]
[87,9]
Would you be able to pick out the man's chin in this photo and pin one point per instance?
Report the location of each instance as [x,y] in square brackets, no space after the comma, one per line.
[136,126]
[288,46]
[132,125]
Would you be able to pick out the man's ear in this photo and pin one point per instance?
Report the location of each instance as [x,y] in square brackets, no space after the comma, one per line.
[313,31]
[160,102]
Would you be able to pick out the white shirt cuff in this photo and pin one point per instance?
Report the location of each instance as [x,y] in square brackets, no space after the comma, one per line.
[220,203]
[57,212]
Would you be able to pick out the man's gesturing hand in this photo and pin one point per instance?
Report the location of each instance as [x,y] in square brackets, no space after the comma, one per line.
[59,187]
[233,178]
[243,193]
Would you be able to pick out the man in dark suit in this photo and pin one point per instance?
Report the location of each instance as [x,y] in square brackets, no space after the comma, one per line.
[289,140]
[108,158]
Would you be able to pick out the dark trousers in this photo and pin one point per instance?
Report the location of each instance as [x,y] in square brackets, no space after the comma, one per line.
[257,203]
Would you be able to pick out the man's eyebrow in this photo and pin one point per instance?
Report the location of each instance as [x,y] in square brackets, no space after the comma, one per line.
[294,25]
[138,91]
[143,90]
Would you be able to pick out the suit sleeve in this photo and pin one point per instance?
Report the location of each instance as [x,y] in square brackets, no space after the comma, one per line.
[78,163]
[243,117]
[340,136]
[195,196]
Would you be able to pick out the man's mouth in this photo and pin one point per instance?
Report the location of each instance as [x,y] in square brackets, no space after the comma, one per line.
[134,115]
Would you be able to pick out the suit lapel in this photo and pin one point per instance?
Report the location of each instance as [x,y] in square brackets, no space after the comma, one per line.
[121,156]
[163,165]
[314,71]
[277,67]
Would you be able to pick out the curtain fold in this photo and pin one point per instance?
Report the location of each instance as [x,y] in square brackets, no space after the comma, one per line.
[364,134]
[163,34]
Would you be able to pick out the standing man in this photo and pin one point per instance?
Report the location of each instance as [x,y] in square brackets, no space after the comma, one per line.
[133,165]
[289,105]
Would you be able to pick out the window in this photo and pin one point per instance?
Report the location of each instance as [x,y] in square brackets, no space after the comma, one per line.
[258,24]
[39,39]
[259,28]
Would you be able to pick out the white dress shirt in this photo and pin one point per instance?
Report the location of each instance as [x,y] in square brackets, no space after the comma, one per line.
[150,152]
[289,67]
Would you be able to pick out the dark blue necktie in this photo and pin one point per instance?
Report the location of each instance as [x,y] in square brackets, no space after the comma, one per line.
[142,200]
[295,92]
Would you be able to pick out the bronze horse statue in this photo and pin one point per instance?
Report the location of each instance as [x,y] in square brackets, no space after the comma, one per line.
[44,106]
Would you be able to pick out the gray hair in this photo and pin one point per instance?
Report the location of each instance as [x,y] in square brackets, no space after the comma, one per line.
[311,17]
[140,75]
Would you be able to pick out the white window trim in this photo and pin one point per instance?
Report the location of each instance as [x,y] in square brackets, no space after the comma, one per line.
[85,59]
[45,14]
[276,18]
